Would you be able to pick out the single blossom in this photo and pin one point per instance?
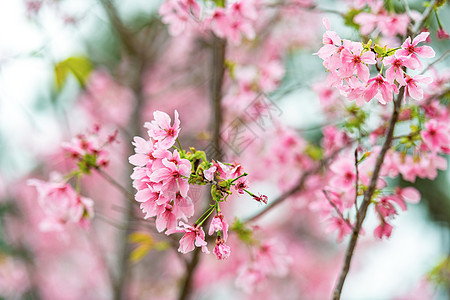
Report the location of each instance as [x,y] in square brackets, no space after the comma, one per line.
[410,48]
[436,135]
[442,34]
[336,223]
[161,130]
[241,185]
[218,223]
[209,174]
[383,230]
[412,86]
[261,198]
[221,251]
[194,236]
[61,204]
[381,89]
[354,59]
[174,178]
[395,72]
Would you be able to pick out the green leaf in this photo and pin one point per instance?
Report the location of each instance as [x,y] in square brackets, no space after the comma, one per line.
[80,67]
[245,234]
[365,155]
[380,50]
[440,273]
[220,3]
[348,18]
[314,152]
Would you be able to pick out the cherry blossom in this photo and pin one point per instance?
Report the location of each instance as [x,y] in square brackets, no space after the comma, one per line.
[410,48]
[161,130]
[194,236]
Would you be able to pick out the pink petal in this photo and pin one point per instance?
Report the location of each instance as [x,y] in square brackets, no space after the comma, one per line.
[425,51]
[411,195]
[420,38]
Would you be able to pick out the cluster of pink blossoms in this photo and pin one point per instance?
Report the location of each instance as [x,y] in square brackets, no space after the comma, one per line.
[390,24]
[348,65]
[162,178]
[231,22]
[90,146]
[61,204]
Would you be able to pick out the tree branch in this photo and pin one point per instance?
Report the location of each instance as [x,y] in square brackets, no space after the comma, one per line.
[337,210]
[361,215]
[218,72]
[442,57]
[299,186]
[116,184]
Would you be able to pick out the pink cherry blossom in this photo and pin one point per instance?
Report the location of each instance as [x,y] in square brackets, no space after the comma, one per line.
[336,223]
[436,135]
[357,60]
[344,170]
[161,130]
[209,174]
[174,178]
[381,89]
[166,219]
[395,72]
[143,151]
[241,184]
[385,207]
[383,230]
[412,86]
[175,15]
[61,204]
[219,223]
[442,34]
[261,198]
[194,236]
[221,251]
[410,48]
[393,24]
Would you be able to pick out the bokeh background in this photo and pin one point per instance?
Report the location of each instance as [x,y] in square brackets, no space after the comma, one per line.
[36,115]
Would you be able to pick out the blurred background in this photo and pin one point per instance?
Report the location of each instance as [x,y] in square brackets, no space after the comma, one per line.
[116,53]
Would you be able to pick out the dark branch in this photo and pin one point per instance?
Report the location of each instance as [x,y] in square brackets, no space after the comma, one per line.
[361,215]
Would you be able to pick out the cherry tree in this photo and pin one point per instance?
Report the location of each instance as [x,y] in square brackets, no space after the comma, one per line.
[177,175]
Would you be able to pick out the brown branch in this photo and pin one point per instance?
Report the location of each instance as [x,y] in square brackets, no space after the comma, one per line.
[356,180]
[112,181]
[138,64]
[123,32]
[218,72]
[361,215]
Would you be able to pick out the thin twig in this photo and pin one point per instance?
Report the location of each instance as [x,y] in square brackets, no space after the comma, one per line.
[337,210]
[218,72]
[444,55]
[116,184]
[407,9]
[406,135]
[425,16]
[357,180]
[324,162]
[375,175]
